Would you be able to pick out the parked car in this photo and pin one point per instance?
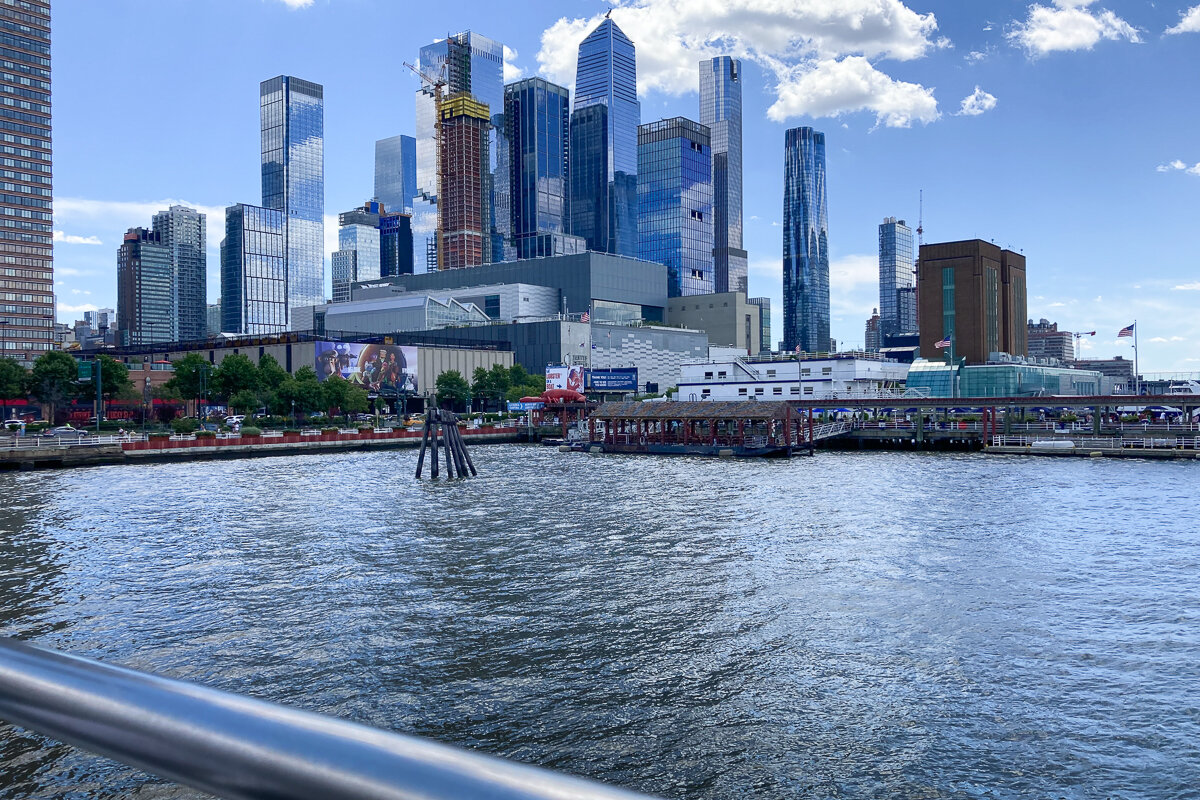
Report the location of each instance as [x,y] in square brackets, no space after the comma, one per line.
[65,430]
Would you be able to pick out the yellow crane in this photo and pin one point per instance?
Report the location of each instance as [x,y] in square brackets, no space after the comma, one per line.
[434,85]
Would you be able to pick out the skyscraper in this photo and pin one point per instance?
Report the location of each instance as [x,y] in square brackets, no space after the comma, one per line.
[805,243]
[764,306]
[464,210]
[537,117]
[675,205]
[182,231]
[254,271]
[26,315]
[357,256]
[895,273]
[396,172]
[292,112]
[607,75]
[145,280]
[395,244]
[721,111]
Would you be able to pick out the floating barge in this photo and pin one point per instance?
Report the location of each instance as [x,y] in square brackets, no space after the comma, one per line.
[708,428]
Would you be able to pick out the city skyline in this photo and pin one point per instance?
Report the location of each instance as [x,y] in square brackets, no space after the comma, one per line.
[1056,92]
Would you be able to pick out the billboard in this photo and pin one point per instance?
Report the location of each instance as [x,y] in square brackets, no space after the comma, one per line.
[623,379]
[381,369]
[565,378]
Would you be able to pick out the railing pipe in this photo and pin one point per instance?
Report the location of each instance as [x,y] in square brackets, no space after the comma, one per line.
[245,749]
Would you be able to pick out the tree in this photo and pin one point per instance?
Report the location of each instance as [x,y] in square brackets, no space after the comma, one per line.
[356,400]
[481,381]
[517,375]
[114,380]
[52,379]
[303,389]
[244,402]
[14,380]
[499,383]
[452,388]
[236,373]
[190,374]
[270,374]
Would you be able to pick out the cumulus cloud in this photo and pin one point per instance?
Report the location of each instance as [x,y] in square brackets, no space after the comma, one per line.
[976,103]
[1068,25]
[821,52]
[1163,339]
[512,72]
[64,308]
[67,238]
[1177,165]
[1187,287]
[1189,22]
[294,4]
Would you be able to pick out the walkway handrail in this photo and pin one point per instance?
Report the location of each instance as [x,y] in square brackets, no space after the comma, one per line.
[237,747]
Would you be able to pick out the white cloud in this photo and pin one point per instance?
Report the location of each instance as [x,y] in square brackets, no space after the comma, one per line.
[1069,25]
[1189,22]
[134,212]
[1176,165]
[974,57]
[976,103]
[820,51]
[80,291]
[511,71]
[294,4]
[1162,339]
[64,308]
[1187,287]
[67,238]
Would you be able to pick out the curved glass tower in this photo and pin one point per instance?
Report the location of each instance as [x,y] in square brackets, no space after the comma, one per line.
[607,75]
[805,243]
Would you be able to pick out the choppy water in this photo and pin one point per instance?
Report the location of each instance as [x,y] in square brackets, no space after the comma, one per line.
[852,625]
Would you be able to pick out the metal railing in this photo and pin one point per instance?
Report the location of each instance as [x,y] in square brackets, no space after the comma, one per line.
[34,442]
[1102,442]
[237,747]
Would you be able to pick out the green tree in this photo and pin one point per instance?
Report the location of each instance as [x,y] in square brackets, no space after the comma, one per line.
[191,372]
[270,373]
[303,389]
[356,400]
[14,380]
[481,382]
[236,373]
[452,388]
[244,402]
[114,380]
[517,375]
[499,384]
[52,379]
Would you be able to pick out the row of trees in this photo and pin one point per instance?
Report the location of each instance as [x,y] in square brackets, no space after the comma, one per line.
[490,387]
[54,380]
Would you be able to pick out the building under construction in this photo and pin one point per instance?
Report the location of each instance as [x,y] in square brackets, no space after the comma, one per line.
[463,212]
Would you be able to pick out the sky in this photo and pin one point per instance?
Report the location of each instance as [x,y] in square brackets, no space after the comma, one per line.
[1065,129]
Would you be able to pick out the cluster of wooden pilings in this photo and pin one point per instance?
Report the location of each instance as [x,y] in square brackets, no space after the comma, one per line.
[443,425]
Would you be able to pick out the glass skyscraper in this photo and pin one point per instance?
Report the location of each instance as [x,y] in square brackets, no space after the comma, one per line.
[26,236]
[292,112]
[721,111]
[675,203]
[606,75]
[254,271]
[805,243]
[895,273]
[182,231]
[145,281]
[537,114]
[764,318]
[357,256]
[396,172]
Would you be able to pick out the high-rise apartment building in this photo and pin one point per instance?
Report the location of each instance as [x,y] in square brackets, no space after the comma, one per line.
[396,172]
[357,257]
[805,243]
[292,112]
[463,208]
[675,203]
[764,316]
[607,76]
[1045,340]
[254,271]
[873,339]
[721,112]
[972,293]
[537,116]
[395,244]
[182,231]
[896,267]
[26,235]
[472,64]
[145,290]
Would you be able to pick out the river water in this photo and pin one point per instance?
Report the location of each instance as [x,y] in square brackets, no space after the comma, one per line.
[851,625]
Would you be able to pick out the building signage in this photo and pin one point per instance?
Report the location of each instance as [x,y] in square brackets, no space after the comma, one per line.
[525,406]
[565,378]
[381,369]
[613,380]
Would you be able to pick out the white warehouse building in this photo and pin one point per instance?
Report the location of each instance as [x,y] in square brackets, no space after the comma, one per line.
[838,376]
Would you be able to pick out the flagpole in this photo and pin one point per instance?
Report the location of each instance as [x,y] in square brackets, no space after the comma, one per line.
[1137,388]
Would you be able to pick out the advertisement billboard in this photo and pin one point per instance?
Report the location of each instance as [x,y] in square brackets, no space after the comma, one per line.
[565,378]
[381,369]
[622,379]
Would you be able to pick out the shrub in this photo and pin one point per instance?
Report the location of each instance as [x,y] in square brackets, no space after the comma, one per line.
[291,432]
[251,430]
[329,430]
[365,429]
[206,434]
[159,435]
[184,425]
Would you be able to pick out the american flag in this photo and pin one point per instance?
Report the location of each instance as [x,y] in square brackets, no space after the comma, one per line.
[1125,331]
[943,343]
[585,317]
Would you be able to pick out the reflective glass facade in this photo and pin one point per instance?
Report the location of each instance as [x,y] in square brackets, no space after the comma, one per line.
[607,75]
[538,118]
[675,203]
[292,112]
[254,272]
[396,172]
[27,286]
[764,319]
[395,245]
[357,257]
[805,243]
[1001,380]
[721,111]
[145,281]
[895,273]
[182,231]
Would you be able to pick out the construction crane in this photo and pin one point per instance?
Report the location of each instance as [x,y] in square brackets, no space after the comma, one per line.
[1079,336]
[434,86]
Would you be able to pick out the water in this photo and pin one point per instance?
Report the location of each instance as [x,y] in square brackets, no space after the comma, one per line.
[852,625]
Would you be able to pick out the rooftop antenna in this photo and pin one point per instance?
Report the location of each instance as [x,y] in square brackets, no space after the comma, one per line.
[608,13]
[920,231]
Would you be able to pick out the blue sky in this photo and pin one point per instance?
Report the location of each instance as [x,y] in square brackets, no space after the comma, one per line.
[1065,129]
